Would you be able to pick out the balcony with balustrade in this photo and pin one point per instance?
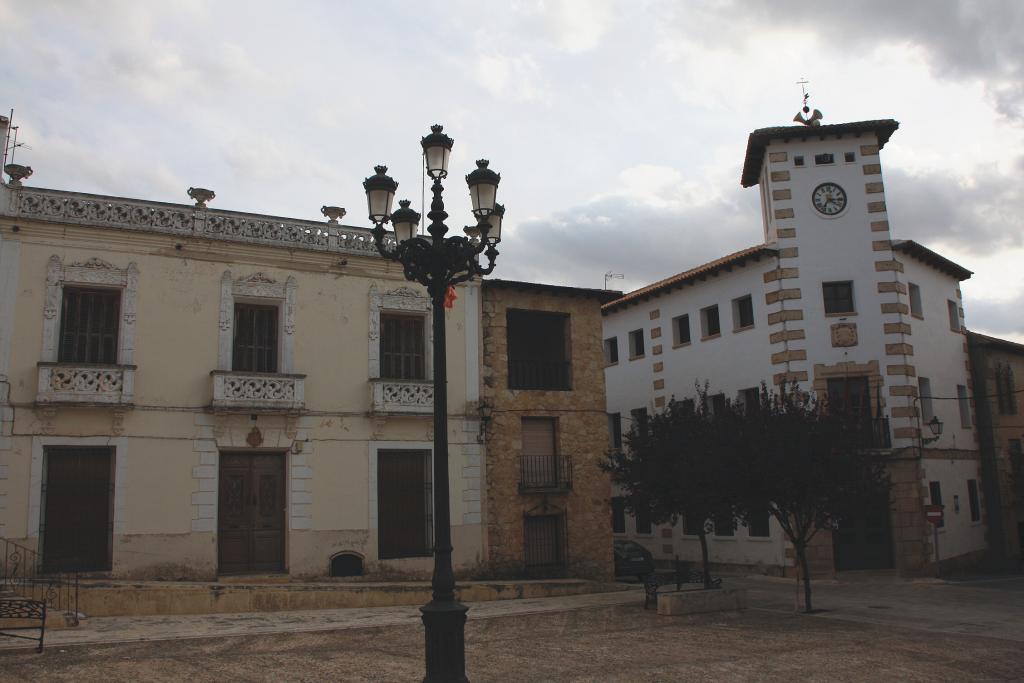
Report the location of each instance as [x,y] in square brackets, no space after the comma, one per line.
[258,392]
[86,384]
[402,397]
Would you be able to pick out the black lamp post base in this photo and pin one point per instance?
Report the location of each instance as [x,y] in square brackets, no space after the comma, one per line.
[444,623]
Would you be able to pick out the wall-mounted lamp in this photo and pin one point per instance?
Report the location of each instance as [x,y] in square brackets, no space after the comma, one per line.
[486,410]
[934,424]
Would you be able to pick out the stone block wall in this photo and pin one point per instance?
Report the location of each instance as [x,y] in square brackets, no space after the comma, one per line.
[581,433]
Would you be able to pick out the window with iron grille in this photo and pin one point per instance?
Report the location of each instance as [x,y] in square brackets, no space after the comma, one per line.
[255,338]
[724,525]
[544,541]
[540,465]
[88,325]
[838,297]
[538,350]
[402,347]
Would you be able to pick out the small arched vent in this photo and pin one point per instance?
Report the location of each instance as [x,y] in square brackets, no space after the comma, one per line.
[346,564]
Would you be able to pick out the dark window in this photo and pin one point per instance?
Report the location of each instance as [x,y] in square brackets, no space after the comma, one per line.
[543,537]
[636,344]
[757,525]
[798,161]
[1016,463]
[692,525]
[1005,396]
[611,350]
[643,521]
[88,325]
[965,406]
[954,315]
[639,416]
[935,493]
[618,515]
[538,350]
[850,157]
[743,312]
[724,526]
[717,403]
[709,321]
[402,347]
[972,500]
[924,393]
[255,344]
[915,299]
[615,430]
[838,297]
[824,158]
[849,396]
[681,330]
[404,515]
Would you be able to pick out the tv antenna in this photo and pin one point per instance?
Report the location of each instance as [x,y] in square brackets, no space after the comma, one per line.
[611,276]
[11,143]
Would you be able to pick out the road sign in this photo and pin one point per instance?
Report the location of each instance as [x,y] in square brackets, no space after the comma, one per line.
[933,513]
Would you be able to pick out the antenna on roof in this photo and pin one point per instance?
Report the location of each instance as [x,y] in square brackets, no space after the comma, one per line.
[611,276]
[801,116]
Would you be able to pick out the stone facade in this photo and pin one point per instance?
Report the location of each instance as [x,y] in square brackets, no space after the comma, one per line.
[581,433]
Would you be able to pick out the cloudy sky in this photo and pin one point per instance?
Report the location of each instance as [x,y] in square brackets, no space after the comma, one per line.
[618,127]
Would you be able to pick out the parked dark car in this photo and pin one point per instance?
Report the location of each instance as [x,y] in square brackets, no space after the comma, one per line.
[632,559]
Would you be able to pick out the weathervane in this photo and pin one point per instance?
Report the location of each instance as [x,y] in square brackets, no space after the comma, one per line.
[815,118]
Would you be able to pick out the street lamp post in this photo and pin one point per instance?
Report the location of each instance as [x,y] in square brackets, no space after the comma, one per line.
[438,262]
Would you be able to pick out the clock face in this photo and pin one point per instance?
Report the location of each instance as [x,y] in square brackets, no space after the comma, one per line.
[829,198]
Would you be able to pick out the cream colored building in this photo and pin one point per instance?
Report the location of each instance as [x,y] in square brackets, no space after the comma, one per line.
[187,392]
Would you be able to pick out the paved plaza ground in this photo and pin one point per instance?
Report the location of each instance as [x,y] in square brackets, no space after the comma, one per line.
[871,631]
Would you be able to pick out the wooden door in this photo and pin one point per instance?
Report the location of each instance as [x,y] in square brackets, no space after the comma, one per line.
[403,504]
[864,540]
[78,518]
[250,528]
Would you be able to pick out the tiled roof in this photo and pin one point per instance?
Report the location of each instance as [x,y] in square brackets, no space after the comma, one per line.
[926,255]
[700,272]
[995,342]
[759,139]
[603,295]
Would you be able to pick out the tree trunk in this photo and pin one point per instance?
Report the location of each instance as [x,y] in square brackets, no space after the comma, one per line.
[705,560]
[801,553]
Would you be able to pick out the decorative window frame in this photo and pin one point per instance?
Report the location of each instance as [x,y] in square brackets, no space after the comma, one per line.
[261,289]
[93,272]
[401,300]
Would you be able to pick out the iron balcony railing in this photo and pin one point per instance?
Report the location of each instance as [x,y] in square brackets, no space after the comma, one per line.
[869,432]
[22,576]
[551,375]
[545,473]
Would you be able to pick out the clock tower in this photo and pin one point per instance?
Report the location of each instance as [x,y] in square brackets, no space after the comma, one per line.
[836,303]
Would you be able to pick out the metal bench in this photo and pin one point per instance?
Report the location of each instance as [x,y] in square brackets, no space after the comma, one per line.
[21,609]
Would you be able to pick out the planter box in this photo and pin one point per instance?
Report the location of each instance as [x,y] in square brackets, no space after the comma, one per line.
[675,603]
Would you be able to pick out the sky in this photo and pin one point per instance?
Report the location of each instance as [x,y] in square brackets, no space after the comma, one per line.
[618,127]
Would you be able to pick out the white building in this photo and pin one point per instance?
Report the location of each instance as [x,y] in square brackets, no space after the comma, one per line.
[831,302]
